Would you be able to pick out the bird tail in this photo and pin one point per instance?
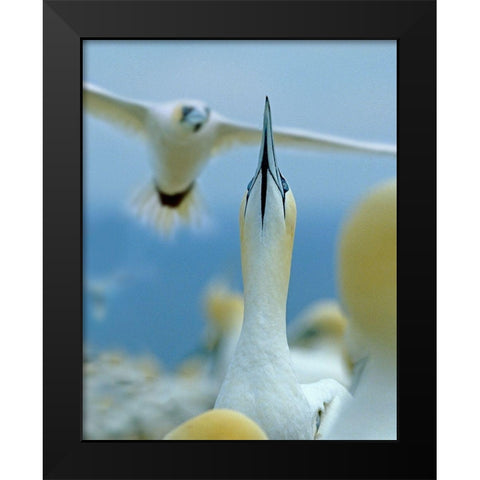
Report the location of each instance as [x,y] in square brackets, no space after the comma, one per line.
[166,219]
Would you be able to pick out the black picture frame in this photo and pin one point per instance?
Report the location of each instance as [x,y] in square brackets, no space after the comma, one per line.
[413,25]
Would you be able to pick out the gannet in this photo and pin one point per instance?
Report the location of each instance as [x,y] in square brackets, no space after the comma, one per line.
[317,343]
[224,312]
[367,279]
[99,289]
[316,337]
[260,381]
[184,135]
[220,424]
[367,265]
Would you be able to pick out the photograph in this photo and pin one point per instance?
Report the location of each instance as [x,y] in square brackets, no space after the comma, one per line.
[239,239]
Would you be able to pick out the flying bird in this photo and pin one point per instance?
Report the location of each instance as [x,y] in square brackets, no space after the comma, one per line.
[260,381]
[184,135]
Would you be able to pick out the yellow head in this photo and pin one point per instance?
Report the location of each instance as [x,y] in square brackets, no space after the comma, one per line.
[223,307]
[218,424]
[322,319]
[367,266]
[224,311]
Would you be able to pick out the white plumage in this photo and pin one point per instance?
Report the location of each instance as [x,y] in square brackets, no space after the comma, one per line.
[316,337]
[260,381]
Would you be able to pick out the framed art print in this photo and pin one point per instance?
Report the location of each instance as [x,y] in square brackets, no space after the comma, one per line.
[239,239]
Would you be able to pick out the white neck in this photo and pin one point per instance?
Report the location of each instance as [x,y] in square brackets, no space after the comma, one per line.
[264,324]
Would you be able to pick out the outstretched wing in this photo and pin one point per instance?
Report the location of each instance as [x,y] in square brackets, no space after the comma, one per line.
[125,113]
[230,133]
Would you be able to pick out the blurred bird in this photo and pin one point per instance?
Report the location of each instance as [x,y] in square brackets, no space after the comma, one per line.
[224,312]
[317,344]
[260,381]
[101,289]
[323,318]
[184,135]
[219,424]
[367,267]
[367,279]
[223,309]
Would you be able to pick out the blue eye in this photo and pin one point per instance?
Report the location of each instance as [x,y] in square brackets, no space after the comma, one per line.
[284,184]
[250,183]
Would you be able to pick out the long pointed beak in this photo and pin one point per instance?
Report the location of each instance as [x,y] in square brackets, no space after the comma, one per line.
[267,163]
[266,160]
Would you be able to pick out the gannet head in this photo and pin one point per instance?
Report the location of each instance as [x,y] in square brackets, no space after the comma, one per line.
[190,115]
[223,306]
[267,220]
[224,312]
[323,319]
[219,424]
[367,265]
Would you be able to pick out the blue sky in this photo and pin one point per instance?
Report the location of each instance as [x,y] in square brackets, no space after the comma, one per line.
[339,87]
[345,88]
